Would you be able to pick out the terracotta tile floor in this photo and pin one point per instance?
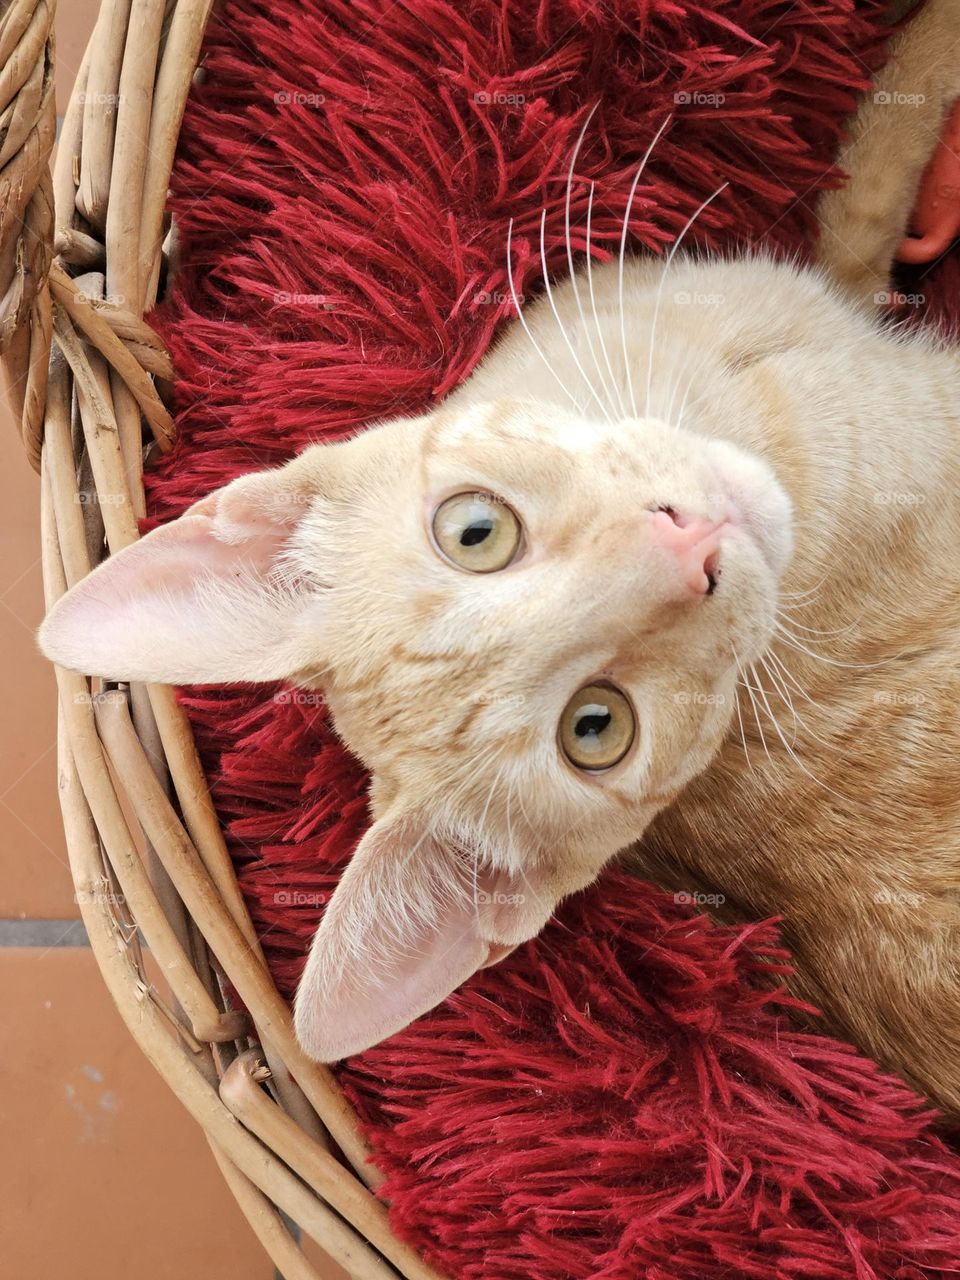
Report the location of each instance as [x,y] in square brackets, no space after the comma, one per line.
[110,1172]
[110,1176]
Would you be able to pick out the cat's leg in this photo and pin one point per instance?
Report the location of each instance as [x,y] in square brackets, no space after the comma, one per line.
[889,142]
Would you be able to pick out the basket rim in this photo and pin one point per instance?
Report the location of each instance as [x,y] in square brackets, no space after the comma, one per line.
[146,850]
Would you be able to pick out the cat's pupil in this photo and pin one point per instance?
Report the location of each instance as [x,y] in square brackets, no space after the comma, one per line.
[593,725]
[476,532]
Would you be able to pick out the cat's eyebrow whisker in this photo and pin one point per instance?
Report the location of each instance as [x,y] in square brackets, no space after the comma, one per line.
[526,328]
[560,325]
[663,277]
[623,250]
[593,307]
[573,274]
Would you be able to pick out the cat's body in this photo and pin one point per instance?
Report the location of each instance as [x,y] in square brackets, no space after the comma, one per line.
[673,575]
[730,439]
[835,800]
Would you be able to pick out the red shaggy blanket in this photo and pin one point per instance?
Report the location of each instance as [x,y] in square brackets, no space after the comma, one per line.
[626,1096]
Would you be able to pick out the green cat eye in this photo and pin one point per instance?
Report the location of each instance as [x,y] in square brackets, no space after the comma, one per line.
[477,532]
[597,727]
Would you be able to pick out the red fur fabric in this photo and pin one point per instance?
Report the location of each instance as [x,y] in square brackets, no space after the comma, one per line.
[626,1096]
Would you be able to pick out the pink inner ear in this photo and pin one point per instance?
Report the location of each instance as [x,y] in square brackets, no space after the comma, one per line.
[403,930]
[359,1012]
[171,556]
[186,604]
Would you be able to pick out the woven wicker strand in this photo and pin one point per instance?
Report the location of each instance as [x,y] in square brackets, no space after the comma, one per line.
[81,258]
[28,125]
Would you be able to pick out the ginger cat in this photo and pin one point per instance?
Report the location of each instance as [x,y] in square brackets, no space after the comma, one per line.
[708,584]
[674,572]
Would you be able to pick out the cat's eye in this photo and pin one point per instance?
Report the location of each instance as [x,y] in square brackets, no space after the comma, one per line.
[597,727]
[477,531]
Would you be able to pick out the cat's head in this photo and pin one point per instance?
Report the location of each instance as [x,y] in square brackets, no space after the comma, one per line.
[526,625]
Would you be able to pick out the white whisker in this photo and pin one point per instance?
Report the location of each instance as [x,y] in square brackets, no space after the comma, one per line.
[560,325]
[526,328]
[593,307]
[573,274]
[784,695]
[798,719]
[743,735]
[815,631]
[663,276]
[792,640]
[789,749]
[788,676]
[623,247]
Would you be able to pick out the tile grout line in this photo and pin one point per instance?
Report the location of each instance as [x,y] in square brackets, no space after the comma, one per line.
[42,933]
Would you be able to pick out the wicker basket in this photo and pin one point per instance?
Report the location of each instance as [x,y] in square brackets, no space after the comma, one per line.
[81,258]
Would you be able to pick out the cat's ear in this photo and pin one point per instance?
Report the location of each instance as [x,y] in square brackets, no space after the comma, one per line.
[411,919]
[201,599]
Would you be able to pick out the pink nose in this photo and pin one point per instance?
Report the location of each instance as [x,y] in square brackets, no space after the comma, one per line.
[695,542]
